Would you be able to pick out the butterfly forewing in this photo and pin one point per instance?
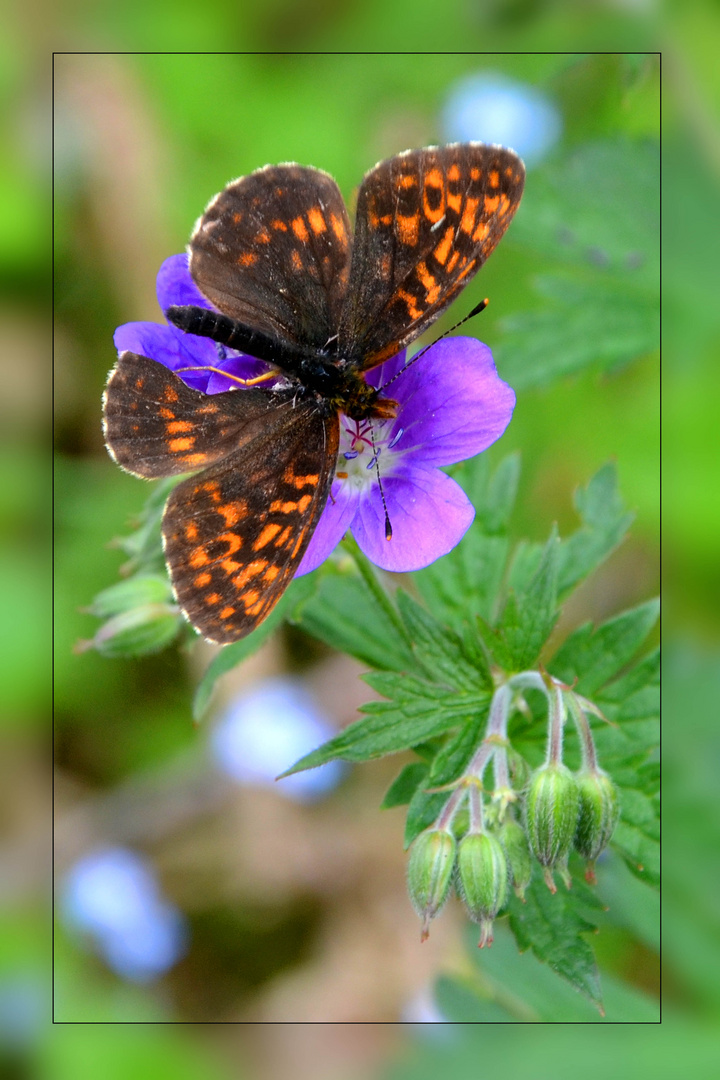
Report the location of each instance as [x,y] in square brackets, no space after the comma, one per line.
[235,534]
[273,252]
[426,222]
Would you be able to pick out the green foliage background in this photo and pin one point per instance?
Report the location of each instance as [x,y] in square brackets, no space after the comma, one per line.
[141,143]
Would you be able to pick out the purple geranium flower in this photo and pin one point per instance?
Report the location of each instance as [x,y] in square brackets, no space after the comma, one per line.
[452,405]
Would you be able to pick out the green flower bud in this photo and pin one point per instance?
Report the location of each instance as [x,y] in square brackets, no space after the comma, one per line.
[597,817]
[432,857]
[551,812]
[483,880]
[138,632]
[517,852]
[132,593]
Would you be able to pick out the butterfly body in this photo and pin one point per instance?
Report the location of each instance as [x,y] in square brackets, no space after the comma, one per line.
[290,285]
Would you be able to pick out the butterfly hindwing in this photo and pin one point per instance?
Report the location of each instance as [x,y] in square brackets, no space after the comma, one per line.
[426,222]
[156,425]
[235,533]
[272,251]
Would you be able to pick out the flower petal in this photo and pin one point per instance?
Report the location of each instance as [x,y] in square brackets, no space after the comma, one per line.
[335,521]
[175,286]
[453,404]
[429,514]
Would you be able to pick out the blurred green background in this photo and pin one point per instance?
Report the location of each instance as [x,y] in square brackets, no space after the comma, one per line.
[141,143]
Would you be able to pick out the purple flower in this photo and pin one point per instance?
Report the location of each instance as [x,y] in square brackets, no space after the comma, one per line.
[452,405]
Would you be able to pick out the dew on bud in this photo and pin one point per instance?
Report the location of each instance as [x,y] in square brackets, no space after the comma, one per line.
[430,867]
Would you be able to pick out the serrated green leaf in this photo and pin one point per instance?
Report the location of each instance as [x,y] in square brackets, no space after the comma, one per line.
[447,766]
[604,523]
[231,655]
[529,616]
[417,711]
[552,925]
[405,784]
[441,652]
[595,656]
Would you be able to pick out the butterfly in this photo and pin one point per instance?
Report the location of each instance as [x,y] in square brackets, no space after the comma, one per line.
[291,285]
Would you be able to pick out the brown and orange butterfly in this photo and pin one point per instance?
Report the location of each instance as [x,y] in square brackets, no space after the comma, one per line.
[275,256]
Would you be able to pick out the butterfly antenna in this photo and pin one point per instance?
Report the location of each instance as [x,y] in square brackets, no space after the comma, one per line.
[376,463]
[470,315]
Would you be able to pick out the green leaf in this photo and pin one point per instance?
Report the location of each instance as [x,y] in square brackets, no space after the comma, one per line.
[441,652]
[530,615]
[346,614]
[467,581]
[604,523]
[594,656]
[418,710]
[231,655]
[551,925]
[405,784]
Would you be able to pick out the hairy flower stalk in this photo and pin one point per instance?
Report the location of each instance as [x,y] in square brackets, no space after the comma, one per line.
[551,801]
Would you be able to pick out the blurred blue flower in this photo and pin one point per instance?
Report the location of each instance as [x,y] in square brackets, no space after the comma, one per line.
[113,896]
[23,1010]
[491,108]
[266,730]
[421,1010]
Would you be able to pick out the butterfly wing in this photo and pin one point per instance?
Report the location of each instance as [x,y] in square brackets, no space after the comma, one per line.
[235,533]
[426,222]
[273,252]
[155,425]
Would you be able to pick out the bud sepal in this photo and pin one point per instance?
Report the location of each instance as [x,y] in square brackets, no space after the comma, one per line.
[482,880]
[597,815]
[430,868]
[551,814]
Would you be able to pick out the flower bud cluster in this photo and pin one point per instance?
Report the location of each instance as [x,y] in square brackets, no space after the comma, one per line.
[140,617]
[484,850]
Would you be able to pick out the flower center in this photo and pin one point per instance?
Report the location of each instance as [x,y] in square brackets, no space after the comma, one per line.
[363,444]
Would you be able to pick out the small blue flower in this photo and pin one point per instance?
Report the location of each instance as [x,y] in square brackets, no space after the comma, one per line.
[275,723]
[113,896]
[491,108]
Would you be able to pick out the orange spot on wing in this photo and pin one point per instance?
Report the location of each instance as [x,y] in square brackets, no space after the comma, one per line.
[283,537]
[290,477]
[203,579]
[214,598]
[208,409]
[167,414]
[454,202]
[432,289]
[177,426]
[338,227]
[170,394]
[453,172]
[139,383]
[230,566]
[300,229]
[297,263]
[176,445]
[191,531]
[475,173]
[227,612]
[270,574]
[413,310]
[303,503]
[247,259]
[406,228]
[233,541]
[467,222]
[249,571]
[481,232]
[263,237]
[268,533]
[280,507]
[199,557]
[491,203]
[250,598]
[453,261]
[194,459]
[280,225]
[442,251]
[317,221]
[494,178]
[233,512]
[408,181]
